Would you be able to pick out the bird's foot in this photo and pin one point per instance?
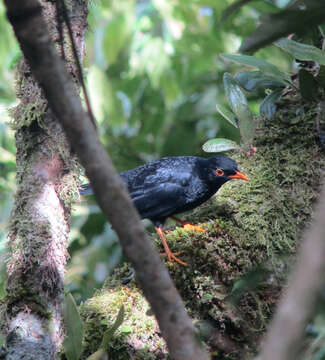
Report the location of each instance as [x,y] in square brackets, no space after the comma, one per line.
[190,227]
[173,257]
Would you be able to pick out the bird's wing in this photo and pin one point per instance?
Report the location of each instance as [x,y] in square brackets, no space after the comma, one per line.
[160,201]
[150,175]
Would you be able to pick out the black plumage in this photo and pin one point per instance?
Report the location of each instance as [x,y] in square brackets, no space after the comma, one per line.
[173,185]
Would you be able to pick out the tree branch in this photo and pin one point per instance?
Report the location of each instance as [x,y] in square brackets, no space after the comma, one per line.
[48,69]
[298,304]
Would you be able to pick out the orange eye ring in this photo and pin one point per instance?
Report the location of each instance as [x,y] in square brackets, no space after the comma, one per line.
[220,172]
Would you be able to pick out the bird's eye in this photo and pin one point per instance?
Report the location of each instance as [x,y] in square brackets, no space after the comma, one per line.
[220,172]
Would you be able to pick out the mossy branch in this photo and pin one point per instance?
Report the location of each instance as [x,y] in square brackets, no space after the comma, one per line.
[237,269]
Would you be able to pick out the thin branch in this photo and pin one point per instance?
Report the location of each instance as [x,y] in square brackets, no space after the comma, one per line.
[49,70]
[76,57]
[286,332]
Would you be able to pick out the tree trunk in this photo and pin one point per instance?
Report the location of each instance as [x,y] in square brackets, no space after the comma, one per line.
[47,175]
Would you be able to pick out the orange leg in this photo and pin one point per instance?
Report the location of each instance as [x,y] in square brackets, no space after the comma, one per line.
[171,256]
[187,225]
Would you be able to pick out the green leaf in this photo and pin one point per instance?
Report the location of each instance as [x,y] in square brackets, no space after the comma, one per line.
[268,107]
[110,332]
[302,51]
[227,114]
[255,80]
[261,64]
[74,329]
[308,85]
[238,103]
[219,145]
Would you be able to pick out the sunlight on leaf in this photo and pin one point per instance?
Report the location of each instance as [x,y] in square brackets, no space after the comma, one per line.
[227,114]
[219,145]
[238,103]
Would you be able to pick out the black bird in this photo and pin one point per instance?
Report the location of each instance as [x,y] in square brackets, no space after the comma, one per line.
[173,185]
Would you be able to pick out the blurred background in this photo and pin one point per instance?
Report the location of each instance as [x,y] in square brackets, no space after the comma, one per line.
[154,76]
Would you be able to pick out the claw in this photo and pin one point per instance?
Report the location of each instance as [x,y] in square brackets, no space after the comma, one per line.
[171,256]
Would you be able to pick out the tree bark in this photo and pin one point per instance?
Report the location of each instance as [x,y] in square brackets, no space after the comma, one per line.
[47,174]
[175,325]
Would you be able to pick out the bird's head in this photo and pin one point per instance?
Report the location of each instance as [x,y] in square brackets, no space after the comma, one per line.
[222,169]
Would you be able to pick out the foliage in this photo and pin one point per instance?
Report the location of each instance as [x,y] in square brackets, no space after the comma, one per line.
[272,81]
[74,329]
[155,78]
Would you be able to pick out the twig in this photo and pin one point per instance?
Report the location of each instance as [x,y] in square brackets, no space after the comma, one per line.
[78,65]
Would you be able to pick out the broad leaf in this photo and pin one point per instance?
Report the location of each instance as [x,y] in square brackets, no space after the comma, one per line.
[308,85]
[256,80]
[268,106]
[302,51]
[261,64]
[219,145]
[74,329]
[227,114]
[238,103]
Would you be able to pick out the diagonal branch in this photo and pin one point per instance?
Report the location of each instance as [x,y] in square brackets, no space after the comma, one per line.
[48,69]
[298,304]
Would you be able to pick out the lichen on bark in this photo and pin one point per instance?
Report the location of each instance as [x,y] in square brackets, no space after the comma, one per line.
[237,269]
[47,184]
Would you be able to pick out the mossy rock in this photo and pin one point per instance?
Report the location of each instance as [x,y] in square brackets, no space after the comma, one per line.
[237,268]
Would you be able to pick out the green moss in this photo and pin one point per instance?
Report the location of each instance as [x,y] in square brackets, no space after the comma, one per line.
[249,226]
[136,338]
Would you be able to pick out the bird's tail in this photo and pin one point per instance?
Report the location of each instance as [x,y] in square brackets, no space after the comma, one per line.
[86,189]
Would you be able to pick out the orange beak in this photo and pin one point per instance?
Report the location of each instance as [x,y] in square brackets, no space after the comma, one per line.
[239,175]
